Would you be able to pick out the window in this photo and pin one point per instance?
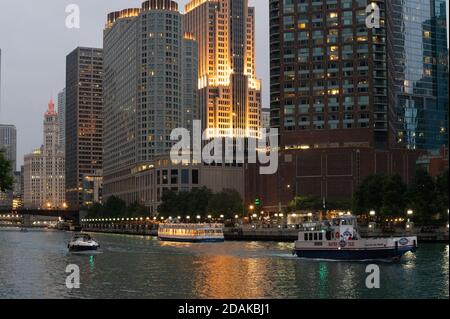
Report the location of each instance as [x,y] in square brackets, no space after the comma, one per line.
[194,176]
[185,176]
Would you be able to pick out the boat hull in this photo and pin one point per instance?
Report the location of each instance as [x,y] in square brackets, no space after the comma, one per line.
[192,240]
[354,254]
[82,248]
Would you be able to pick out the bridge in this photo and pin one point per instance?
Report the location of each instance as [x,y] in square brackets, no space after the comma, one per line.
[25,215]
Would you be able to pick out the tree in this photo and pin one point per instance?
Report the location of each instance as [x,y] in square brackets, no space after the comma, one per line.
[422,196]
[199,201]
[394,201]
[6,178]
[369,195]
[342,204]
[137,210]
[96,210]
[305,203]
[227,203]
[442,190]
[168,204]
[115,207]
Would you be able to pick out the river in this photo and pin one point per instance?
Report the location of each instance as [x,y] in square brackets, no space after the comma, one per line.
[33,264]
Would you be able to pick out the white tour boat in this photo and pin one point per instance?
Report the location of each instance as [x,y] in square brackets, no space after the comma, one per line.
[209,232]
[340,240]
[82,242]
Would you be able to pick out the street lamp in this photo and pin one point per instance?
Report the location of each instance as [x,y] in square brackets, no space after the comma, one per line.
[409,212]
[372,213]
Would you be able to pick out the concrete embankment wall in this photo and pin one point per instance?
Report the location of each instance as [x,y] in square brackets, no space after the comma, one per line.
[269,234]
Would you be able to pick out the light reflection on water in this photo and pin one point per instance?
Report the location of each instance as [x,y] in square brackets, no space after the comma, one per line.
[32,265]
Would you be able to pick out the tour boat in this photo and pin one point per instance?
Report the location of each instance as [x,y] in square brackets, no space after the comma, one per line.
[82,242]
[340,240]
[191,232]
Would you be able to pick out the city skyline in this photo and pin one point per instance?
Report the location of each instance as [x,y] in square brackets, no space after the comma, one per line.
[52,42]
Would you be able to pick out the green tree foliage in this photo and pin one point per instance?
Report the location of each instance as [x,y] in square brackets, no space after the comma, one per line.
[442,189]
[315,203]
[389,195]
[422,196]
[201,202]
[383,194]
[227,203]
[369,195]
[115,207]
[394,201]
[6,179]
[305,203]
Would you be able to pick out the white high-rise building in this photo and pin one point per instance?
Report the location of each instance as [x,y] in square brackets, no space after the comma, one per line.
[44,169]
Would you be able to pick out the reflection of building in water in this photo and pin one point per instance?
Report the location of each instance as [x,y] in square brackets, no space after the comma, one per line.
[218,277]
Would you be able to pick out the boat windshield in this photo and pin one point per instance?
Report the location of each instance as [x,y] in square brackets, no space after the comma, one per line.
[82,237]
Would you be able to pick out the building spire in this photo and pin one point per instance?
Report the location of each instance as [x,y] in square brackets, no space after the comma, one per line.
[51,108]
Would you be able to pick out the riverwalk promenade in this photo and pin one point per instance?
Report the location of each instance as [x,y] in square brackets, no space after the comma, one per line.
[285,233]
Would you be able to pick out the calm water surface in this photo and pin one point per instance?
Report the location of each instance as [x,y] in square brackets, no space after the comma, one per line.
[32,265]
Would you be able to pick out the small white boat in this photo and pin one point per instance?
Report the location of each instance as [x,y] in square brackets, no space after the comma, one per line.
[82,242]
[340,240]
[191,232]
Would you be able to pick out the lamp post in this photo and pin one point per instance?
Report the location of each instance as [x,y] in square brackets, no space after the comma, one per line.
[409,213]
[372,222]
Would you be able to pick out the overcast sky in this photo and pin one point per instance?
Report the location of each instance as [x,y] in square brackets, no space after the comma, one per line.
[34,43]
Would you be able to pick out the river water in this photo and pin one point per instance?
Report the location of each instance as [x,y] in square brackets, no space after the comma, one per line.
[33,264]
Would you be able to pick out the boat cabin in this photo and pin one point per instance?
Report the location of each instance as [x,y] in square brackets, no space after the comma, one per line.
[340,228]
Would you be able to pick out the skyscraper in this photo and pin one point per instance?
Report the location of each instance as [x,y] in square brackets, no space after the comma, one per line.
[44,185]
[62,119]
[230,93]
[337,93]
[328,75]
[336,82]
[84,103]
[8,143]
[418,69]
[150,89]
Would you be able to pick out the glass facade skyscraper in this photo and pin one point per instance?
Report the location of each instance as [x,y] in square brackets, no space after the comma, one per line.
[418,72]
[335,82]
